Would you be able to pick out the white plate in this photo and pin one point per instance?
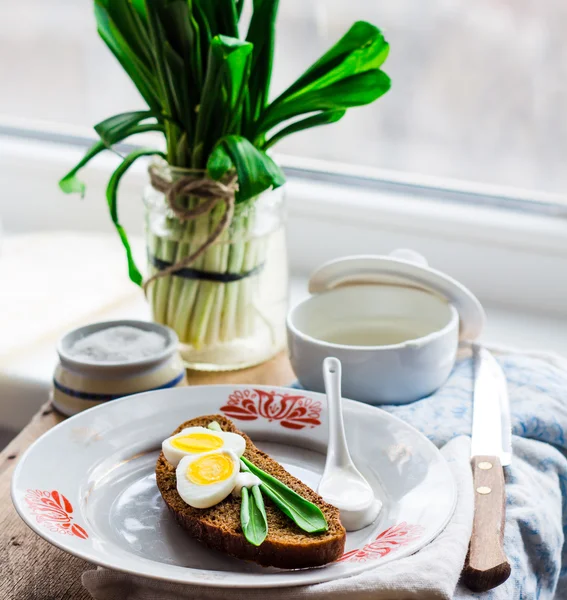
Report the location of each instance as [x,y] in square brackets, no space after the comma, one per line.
[88,486]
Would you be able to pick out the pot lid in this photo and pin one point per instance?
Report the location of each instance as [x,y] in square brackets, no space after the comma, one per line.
[402,267]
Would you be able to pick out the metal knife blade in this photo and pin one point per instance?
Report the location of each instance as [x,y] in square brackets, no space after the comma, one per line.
[491,428]
[506,457]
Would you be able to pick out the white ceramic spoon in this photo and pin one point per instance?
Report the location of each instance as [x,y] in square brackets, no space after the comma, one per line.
[342,485]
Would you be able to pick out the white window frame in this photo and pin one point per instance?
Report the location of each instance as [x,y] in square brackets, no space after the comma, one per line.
[509,246]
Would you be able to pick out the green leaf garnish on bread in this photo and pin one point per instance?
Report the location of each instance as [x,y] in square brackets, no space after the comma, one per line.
[253,516]
[305,514]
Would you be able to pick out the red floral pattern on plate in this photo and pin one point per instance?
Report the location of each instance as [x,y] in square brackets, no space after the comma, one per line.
[54,511]
[390,540]
[292,411]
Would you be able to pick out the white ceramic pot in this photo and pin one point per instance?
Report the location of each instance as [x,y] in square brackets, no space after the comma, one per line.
[79,384]
[393,322]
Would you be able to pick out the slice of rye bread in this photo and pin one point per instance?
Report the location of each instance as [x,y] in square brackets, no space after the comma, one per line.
[286,546]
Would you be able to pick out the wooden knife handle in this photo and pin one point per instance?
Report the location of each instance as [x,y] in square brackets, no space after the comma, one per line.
[486,565]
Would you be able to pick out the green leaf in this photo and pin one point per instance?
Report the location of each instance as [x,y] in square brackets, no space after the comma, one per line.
[221,16]
[176,21]
[228,69]
[182,48]
[140,9]
[253,516]
[214,426]
[115,128]
[237,75]
[322,118]
[362,48]
[70,183]
[175,73]
[219,163]
[347,75]
[303,513]
[204,26]
[255,170]
[137,70]
[131,26]
[156,43]
[356,90]
[112,200]
[262,34]
[198,43]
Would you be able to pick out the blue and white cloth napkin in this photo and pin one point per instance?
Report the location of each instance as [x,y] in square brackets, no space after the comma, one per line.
[536,489]
[536,482]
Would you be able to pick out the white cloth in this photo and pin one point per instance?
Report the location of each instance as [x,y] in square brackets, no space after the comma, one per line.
[430,574]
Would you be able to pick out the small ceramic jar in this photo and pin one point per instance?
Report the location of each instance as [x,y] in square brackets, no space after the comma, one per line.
[393,322]
[81,382]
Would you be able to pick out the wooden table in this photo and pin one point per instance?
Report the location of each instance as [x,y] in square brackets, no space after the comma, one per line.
[32,569]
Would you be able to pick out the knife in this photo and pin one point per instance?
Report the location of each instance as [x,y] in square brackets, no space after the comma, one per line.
[486,565]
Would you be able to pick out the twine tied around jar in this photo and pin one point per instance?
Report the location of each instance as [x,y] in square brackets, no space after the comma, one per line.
[211,193]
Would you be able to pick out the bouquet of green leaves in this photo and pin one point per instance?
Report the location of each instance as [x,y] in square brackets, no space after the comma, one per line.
[207,87]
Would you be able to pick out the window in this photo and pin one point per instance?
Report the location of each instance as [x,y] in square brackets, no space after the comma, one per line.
[479,88]
[463,160]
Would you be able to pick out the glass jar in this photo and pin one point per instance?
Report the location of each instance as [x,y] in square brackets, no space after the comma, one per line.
[228,307]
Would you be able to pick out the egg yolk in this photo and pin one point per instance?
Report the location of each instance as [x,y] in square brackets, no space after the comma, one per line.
[210,469]
[195,443]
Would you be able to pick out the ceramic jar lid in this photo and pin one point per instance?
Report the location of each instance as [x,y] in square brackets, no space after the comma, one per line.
[407,268]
